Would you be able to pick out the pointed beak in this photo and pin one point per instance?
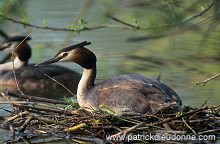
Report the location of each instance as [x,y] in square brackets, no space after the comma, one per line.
[49,61]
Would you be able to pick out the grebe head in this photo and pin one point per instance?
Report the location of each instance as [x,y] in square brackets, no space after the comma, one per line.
[9,44]
[23,51]
[75,53]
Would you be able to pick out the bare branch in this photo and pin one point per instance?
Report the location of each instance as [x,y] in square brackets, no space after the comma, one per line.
[165,25]
[37,98]
[125,23]
[208,79]
[130,26]
[175,31]
[60,84]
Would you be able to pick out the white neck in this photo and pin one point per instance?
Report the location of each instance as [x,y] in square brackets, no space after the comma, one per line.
[85,84]
[9,65]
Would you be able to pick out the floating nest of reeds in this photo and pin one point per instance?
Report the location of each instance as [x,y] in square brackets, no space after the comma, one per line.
[40,120]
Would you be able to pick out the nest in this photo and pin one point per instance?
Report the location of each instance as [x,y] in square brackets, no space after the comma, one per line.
[38,120]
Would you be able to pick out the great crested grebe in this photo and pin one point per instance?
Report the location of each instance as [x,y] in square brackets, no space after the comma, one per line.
[31,78]
[124,94]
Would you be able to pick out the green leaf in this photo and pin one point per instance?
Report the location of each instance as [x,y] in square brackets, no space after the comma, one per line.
[71,101]
[82,22]
[68,107]
[203,6]
[45,23]
[25,19]
[71,26]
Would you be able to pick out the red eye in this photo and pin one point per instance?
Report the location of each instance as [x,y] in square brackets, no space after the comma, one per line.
[65,54]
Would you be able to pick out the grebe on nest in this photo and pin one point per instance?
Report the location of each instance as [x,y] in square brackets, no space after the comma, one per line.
[31,78]
[124,94]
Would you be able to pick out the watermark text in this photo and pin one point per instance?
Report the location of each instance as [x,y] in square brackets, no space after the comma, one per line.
[161,137]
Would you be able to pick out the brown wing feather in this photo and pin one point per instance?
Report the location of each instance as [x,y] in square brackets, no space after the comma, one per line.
[131,92]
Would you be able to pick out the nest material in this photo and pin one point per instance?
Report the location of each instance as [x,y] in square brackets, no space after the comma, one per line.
[37,121]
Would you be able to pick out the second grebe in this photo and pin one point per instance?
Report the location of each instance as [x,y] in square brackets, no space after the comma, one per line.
[31,78]
[124,94]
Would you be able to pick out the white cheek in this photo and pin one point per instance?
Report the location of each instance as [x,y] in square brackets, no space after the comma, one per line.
[11,48]
[67,58]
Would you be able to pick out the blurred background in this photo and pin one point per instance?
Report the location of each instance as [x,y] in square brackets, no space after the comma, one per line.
[179,39]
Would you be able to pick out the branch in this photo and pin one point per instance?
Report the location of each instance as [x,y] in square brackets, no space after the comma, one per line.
[205,81]
[165,25]
[125,23]
[174,32]
[55,28]
[199,13]
[38,98]
[130,26]
[60,84]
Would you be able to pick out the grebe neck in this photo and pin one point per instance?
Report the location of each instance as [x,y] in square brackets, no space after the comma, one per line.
[9,65]
[85,84]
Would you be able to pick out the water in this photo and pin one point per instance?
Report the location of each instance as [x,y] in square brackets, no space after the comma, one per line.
[174,56]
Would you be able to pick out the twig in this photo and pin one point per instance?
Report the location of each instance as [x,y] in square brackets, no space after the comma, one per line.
[193,121]
[122,22]
[14,65]
[16,116]
[126,131]
[184,121]
[206,101]
[75,127]
[60,84]
[46,109]
[199,13]
[33,103]
[183,115]
[174,32]
[50,121]
[53,28]
[209,131]
[5,96]
[26,123]
[165,25]
[171,131]
[211,78]
[38,98]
